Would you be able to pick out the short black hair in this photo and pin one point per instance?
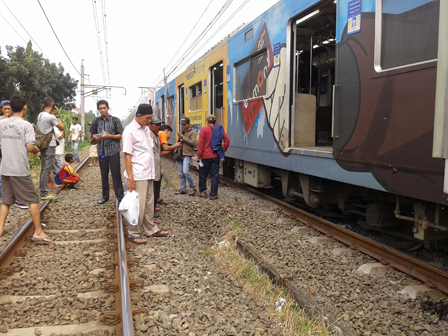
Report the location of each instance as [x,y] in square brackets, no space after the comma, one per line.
[68,157]
[47,102]
[17,103]
[166,127]
[102,102]
[75,118]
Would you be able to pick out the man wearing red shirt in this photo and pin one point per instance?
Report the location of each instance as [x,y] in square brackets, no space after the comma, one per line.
[209,155]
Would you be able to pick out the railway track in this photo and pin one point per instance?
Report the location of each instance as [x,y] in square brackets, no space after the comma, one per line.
[118,317]
[431,276]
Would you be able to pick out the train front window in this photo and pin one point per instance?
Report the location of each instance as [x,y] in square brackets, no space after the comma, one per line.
[407,32]
[313,56]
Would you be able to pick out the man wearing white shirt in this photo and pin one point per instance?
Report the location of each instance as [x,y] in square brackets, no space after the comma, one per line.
[140,173]
[75,133]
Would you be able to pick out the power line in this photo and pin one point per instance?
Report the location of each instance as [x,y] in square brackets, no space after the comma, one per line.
[24,29]
[98,36]
[13,28]
[58,38]
[106,44]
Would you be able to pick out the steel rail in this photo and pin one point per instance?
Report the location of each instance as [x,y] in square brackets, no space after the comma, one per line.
[125,295]
[18,239]
[431,276]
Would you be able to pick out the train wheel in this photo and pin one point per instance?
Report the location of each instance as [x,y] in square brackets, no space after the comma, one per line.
[401,243]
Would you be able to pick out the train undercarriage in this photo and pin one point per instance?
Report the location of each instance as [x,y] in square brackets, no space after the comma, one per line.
[398,221]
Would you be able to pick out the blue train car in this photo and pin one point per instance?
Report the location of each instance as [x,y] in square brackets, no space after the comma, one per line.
[339,99]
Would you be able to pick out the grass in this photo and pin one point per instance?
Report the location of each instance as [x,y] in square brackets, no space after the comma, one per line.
[237,200]
[293,320]
[237,227]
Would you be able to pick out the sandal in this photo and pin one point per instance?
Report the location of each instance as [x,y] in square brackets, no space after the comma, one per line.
[192,192]
[180,192]
[42,241]
[157,209]
[133,240]
[161,201]
[160,233]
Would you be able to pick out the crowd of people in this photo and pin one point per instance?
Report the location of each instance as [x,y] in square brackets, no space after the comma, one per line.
[144,140]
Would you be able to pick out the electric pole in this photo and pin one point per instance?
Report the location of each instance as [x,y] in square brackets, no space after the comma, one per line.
[82,103]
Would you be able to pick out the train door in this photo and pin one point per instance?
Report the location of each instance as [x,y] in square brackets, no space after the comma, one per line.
[313,55]
[162,108]
[180,105]
[216,91]
[170,111]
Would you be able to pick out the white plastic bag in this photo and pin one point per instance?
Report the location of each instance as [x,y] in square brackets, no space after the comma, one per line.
[130,206]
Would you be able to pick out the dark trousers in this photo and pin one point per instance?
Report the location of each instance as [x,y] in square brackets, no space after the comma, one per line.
[112,162]
[210,166]
[157,185]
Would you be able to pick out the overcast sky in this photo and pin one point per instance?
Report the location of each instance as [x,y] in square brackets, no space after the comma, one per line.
[142,37]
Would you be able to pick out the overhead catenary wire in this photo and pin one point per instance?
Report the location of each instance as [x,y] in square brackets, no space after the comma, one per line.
[57,38]
[98,35]
[199,38]
[4,19]
[106,43]
[21,25]
[191,31]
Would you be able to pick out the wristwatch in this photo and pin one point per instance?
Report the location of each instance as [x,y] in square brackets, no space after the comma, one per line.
[58,117]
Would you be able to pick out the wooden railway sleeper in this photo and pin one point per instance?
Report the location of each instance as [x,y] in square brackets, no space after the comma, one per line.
[137,284]
[111,265]
[111,318]
[111,287]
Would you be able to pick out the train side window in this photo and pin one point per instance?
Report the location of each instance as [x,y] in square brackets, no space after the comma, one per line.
[250,77]
[407,33]
[195,97]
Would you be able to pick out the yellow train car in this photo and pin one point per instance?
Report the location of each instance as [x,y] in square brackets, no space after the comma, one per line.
[202,89]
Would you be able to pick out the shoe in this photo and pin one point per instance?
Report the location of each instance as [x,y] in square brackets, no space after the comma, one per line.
[180,192]
[102,201]
[214,197]
[22,206]
[201,194]
[49,197]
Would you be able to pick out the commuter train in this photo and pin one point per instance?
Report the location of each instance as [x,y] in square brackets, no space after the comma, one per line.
[344,101]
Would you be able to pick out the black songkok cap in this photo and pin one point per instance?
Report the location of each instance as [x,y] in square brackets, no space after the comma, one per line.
[144,109]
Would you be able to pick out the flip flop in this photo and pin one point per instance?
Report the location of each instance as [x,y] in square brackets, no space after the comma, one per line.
[160,233]
[161,201]
[133,239]
[41,241]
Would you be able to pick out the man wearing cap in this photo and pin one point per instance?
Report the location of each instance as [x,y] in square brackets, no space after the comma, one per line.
[211,151]
[140,173]
[188,140]
[6,109]
[107,130]
[154,126]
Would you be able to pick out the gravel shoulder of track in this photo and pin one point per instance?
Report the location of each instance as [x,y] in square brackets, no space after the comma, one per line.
[370,305]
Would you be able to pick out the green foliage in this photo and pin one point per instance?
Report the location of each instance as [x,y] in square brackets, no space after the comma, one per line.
[237,200]
[27,73]
[33,160]
[237,227]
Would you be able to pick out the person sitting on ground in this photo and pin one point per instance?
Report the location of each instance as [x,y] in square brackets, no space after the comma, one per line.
[67,175]
[17,140]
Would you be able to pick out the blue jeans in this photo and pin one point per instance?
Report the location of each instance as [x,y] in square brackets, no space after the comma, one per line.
[210,166]
[183,169]
[75,150]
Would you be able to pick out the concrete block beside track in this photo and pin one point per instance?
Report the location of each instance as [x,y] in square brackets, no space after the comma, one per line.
[421,291]
[376,269]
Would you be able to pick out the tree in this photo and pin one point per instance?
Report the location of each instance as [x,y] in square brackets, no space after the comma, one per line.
[27,73]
